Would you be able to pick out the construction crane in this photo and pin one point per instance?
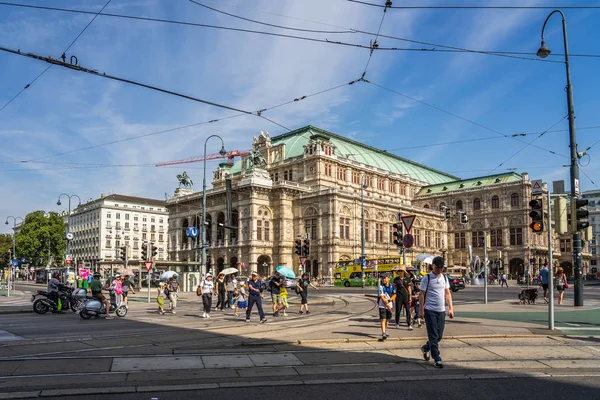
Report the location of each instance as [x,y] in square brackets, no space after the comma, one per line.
[229,155]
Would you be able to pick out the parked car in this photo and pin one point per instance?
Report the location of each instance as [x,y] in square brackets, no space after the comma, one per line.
[456,283]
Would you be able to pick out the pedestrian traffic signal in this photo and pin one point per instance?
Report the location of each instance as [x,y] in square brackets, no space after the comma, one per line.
[447,213]
[464,218]
[298,246]
[7,257]
[536,213]
[398,234]
[306,247]
[145,251]
[124,254]
[208,262]
[580,214]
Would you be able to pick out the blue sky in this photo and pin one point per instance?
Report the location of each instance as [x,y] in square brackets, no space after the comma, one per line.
[65,110]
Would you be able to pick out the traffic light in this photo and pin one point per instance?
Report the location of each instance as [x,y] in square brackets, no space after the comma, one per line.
[306,247]
[463,217]
[447,213]
[208,262]
[124,253]
[8,257]
[145,251]
[298,246]
[580,214]
[537,215]
[560,216]
[154,252]
[398,234]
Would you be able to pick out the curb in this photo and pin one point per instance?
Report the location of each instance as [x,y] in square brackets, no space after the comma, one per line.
[274,383]
[21,311]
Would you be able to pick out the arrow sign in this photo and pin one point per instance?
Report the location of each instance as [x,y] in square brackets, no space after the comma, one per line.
[148,265]
[408,221]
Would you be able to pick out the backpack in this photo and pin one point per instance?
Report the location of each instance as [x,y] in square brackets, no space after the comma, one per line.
[270,285]
[428,278]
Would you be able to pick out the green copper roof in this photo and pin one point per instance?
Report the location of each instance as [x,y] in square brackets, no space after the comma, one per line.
[356,151]
[470,183]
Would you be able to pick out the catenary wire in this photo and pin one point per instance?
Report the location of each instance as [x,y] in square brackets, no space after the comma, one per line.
[453,7]
[528,144]
[265,23]
[374,44]
[503,54]
[50,66]
[459,117]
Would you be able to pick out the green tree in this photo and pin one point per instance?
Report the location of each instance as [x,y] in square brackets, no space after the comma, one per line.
[42,236]
[5,245]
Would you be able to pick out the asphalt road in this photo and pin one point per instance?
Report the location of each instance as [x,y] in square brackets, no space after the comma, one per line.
[447,389]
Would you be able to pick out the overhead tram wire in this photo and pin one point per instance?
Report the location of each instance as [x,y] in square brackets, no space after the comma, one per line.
[459,117]
[50,66]
[311,39]
[267,24]
[476,7]
[529,144]
[258,113]
[374,43]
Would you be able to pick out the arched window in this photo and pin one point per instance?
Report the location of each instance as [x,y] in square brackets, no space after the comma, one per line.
[514,200]
[459,205]
[442,206]
[476,204]
[426,206]
[495,202]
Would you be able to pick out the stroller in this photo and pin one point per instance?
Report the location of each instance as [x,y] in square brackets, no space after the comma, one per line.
[528,296]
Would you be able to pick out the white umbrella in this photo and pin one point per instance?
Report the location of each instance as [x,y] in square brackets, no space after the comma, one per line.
[228,271]
[425,258]
[169,275]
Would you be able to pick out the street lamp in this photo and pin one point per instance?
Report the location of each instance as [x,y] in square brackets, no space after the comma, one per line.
[14,252]
[68,235]
[544,52]
[222,153]
[363,186]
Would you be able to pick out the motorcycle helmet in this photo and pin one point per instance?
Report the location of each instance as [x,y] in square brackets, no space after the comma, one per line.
[97,275]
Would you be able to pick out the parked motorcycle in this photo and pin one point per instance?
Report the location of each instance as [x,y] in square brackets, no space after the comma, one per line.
[92,307]
[42,303]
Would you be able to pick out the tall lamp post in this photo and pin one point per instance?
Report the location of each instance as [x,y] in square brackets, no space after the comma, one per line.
[223,153]
[68,235]
[14,252]
[363,186]
[544,52]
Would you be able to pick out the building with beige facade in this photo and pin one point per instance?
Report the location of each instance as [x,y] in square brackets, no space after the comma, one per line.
[317,182]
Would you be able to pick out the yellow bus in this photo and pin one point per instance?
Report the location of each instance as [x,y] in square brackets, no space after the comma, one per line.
[349,272]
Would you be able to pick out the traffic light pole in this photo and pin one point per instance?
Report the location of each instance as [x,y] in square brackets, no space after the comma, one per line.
[550,271]
[485,268]
[362,230]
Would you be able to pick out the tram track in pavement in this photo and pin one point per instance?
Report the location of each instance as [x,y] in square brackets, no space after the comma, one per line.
[248,337]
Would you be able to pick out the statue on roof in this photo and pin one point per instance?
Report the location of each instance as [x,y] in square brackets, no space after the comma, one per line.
[184,180]
[263,140]
[256,158]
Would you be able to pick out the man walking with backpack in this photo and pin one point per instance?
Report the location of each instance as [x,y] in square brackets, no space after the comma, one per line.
[434,294]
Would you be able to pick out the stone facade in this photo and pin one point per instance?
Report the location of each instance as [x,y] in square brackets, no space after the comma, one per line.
[313,181]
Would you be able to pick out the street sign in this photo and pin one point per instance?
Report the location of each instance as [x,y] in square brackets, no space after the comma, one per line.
[576,181]
[67,262]
[15,263]
[192,231]
[148,265]
[408,240]
[536,187]
[302,260]
[68,257]
[22,260]
[408,221]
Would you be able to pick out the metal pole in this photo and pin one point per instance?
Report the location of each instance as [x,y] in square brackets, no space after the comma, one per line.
[148,277]
[574,171]
[485,268]
[550,273]
[204,203]
[362,230]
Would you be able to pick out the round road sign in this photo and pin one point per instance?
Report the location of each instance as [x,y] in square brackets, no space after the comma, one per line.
[408,240]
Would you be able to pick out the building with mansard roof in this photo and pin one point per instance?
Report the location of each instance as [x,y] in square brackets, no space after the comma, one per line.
[311,181]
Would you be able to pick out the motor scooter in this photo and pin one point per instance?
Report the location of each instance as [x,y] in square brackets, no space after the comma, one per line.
[92,307]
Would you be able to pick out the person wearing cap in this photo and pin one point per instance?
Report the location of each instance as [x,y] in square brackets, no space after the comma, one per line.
[403,286]
[385,302]
[207,287]
[254,297]
[433,297]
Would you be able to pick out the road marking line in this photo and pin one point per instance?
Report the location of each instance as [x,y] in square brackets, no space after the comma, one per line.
[566,328]
[568,323]
[593,348]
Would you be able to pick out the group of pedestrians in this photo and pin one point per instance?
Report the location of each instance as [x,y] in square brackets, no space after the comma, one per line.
[433,297]
[168,291]
[233,293]
[560,282]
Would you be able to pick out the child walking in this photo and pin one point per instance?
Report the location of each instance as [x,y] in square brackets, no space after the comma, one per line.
[160,299]
[240,299]
[284,300]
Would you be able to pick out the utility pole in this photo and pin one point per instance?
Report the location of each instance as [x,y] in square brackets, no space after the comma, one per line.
[485,268]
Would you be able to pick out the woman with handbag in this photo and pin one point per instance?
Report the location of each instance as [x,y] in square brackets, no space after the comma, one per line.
[560,280]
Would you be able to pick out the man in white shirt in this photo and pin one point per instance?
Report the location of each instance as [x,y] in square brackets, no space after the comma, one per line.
[434,294]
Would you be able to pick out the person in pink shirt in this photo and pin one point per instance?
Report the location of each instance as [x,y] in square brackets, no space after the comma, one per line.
[117,285]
